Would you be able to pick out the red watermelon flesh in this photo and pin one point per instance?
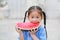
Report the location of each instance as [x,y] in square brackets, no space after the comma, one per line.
[27,25]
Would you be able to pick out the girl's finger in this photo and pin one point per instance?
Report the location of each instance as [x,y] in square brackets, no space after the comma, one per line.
[33,30]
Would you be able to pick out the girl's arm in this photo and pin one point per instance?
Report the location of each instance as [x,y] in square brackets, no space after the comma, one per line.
[20,33]
[33,35]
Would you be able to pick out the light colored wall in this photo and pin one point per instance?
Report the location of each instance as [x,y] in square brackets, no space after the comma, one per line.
[18,7]
[53,9]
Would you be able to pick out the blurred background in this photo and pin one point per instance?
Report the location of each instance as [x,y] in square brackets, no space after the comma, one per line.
[13,11]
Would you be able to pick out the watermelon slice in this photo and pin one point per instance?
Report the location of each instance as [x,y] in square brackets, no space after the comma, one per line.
[27,25]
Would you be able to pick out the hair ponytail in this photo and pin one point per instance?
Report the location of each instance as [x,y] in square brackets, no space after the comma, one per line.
[25,16]
[44,19]
[34,8]
[45,22]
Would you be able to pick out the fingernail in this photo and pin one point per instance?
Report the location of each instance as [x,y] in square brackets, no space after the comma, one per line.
[35,29]
[32,29]
[18,29]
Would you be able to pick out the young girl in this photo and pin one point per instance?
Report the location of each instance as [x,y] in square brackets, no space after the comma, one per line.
[35,15]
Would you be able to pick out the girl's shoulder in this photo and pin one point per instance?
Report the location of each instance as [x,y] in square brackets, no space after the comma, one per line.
[41,27]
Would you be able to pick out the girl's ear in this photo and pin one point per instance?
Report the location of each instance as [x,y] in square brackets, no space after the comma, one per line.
[26,16]
[42,16]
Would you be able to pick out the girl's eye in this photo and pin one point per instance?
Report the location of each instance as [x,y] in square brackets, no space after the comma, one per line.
[37,17]
[32,17]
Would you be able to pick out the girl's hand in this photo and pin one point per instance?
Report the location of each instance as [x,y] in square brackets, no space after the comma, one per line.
[33,34]
[20,33]
[17,29]
[33,31]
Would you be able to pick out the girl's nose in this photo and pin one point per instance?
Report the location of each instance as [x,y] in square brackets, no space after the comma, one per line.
[35,20]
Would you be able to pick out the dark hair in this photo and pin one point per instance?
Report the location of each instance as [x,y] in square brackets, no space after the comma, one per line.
[39,9]
[32,9]
[45,23]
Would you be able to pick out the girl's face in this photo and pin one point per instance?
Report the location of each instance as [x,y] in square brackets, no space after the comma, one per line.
[35,17]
